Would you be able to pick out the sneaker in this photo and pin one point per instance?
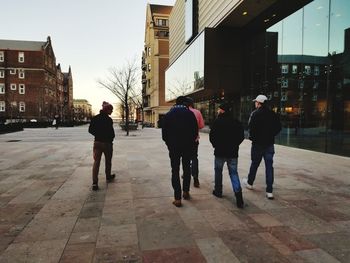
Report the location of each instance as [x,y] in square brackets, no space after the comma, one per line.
[196,182]
[186,195]
[177,203]
[94,187]
[110,178]
[218,195]
[269,196]
[246,184]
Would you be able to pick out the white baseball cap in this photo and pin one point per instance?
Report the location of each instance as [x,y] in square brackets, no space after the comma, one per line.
[260,98]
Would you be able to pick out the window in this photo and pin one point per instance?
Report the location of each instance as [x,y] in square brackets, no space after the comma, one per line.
[275,94]
[307,70]
[162,22]
[149,67]
[2,57]
[2,105]
[21,89]
[314,97]
[2,88]
[22,106]
[315,86]
[317,70]
[294,69]
[2,74]
[285,68]
[21,73]
[12,71]
[149,51]
[284,83]
[21,57]
[301,84]
[13,86]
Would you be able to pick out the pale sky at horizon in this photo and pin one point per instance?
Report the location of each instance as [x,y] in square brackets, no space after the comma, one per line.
[91,36]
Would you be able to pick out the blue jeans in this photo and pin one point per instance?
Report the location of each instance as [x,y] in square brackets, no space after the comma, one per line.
[257,153]
[232,170]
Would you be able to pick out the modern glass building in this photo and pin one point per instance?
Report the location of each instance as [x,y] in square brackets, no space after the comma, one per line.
[297,54]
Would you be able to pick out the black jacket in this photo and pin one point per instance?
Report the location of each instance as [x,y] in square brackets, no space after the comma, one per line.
[101,126]
[179,128]
[226,134]
[263,126]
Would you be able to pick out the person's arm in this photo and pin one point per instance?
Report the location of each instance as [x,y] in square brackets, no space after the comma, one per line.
[92,127]
[200,121]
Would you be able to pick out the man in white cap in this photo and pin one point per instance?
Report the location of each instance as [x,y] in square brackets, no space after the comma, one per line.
[263,126]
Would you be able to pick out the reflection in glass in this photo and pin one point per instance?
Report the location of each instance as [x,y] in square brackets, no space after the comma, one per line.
[186,74]
[311,86]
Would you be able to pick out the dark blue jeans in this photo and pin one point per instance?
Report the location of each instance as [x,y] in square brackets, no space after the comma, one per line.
[176,157]
[232,170]
[257,153]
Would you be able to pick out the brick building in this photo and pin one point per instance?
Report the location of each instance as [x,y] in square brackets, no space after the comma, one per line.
[32,86]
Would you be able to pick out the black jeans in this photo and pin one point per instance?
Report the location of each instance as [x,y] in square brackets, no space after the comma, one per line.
[194,162]
[177,156]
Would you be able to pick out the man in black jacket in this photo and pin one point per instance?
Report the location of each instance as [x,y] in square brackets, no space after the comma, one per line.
[179,132]
[101,126]
[226,135]
[263,126]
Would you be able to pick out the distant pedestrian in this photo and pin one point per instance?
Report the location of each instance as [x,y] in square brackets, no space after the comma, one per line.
[263,126]
[101,127]
[179,132]
[194,160]
[56,121]
[226,134]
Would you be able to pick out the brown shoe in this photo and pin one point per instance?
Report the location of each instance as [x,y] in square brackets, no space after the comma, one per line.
[196,182]
[186,195]
[177,203]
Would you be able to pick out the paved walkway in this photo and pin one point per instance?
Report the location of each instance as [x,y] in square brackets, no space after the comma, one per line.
[49,214]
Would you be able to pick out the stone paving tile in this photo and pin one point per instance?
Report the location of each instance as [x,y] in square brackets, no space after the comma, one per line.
[91,224]
[121,235]
[302,222]
[47,229]
[129,254]
[78,253]
[214,250]
[91,209]
[276,243]
[249,247]
[265,220]
[222,220]
[34,252]
[173,255]
[316,256]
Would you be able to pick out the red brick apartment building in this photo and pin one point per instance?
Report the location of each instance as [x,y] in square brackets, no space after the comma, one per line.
[32,85]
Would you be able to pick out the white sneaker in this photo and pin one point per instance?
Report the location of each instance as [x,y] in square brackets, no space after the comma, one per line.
[245,182]
[269,196]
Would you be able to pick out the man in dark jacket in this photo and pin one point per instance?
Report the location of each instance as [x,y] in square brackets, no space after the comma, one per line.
[101,126]
[179,132]
[263,126]
[226,135]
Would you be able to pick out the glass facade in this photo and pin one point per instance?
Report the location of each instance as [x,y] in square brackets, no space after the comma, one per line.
[186,74]
[302,64]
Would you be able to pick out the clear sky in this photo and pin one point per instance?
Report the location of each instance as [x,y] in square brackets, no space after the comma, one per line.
[91,36]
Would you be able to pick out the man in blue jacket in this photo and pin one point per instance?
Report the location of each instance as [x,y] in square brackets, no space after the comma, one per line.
[263,126]
[226,134]
[101,126]
[179,132]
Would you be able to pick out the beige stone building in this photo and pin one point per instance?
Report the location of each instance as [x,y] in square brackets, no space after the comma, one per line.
[82,110]
[155,59]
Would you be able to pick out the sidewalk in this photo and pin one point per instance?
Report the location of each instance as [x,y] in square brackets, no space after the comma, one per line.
[49,214]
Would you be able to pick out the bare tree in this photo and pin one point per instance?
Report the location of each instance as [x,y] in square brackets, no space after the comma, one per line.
[122,82]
